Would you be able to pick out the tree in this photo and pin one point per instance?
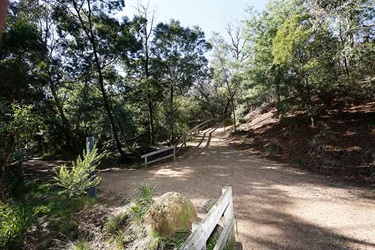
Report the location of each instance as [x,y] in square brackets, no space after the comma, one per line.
[180,53]
[21,88]
[267,81]
[228,63]
[143,69]
[88,22]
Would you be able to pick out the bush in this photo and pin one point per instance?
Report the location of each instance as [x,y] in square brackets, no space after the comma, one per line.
[14,222]
[81,177]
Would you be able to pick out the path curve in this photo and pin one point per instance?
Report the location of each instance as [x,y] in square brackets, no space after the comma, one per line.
[276,207]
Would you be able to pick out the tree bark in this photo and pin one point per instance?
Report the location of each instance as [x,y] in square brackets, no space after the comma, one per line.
[65,122]
[151,120]
[234,114]
[91,37]
[172,114]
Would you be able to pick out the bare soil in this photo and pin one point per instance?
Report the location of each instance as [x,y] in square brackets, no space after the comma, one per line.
[341,144]
[276,206]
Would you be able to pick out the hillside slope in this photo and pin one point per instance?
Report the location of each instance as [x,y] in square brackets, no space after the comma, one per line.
[340,145]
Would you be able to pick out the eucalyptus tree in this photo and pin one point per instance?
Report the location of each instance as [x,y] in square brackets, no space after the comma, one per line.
[142,66]
[180,53]
[21,87]
[352,26]
[100,39]
[267,80]
[229,65]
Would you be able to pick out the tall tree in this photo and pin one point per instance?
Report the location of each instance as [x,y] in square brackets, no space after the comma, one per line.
[100,37]
[228,64]
[180,52]
[20,86]
[144,25]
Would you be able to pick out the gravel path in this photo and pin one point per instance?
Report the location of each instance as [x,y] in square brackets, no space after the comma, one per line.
[276,207]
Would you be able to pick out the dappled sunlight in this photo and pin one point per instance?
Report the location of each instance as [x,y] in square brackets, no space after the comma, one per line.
[275,206]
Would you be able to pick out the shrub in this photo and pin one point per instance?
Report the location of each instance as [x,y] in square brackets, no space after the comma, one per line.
[82,176]
[14,222]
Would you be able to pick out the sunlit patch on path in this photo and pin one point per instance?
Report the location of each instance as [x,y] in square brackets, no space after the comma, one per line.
[276,207]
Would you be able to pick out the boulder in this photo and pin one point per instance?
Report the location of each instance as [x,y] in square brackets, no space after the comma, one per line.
[170,214]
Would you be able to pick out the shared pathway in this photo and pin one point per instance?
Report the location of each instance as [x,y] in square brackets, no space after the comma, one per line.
[276,206]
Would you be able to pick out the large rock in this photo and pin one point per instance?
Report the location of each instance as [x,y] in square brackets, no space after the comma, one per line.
[171,213]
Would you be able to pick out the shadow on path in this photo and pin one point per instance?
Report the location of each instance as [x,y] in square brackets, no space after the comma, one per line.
[276,207]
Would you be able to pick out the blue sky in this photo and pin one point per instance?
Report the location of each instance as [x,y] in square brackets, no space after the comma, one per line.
[210,15]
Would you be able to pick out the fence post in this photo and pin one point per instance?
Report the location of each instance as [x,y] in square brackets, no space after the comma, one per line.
[228,214]
[89,148]
[174,153]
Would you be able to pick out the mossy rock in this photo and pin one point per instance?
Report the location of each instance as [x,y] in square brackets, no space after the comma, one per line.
[171,213]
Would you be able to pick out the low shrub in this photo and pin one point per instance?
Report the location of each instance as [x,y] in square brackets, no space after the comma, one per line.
[81,176]
[14,222]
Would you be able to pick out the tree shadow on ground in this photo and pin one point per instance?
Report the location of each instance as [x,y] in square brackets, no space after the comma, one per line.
[276,207]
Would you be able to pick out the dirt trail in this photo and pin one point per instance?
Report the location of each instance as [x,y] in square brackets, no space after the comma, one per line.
[276,207]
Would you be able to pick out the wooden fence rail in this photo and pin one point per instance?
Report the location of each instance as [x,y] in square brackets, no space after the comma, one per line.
[202,231]
[181,142]
[145,156]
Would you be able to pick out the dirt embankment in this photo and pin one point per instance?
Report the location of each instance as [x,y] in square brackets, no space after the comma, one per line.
[340,145]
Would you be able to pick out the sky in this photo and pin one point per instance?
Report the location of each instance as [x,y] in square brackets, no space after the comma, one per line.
[210,15]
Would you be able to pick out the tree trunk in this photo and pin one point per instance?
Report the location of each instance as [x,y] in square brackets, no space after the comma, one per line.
[65,122]
[278,92]
[149,99]
[172,114]
[91,37]
[151,120]
[234,115]
[108,108]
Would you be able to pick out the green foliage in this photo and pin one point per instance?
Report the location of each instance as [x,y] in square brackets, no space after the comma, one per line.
[211,242]
[142,203]
[14,222]
[114,223]
[79,245]
[82,175]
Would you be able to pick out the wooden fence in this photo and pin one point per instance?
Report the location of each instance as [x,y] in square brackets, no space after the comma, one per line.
[202,231]
[181,142]
[189,135]
[173,154]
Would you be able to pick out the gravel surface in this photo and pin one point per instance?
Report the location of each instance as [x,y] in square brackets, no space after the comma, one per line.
[276,206]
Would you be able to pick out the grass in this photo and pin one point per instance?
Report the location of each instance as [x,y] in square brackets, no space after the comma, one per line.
[41,204]
[79,245]
[114,223]
[215,235]
[118,239]
[14,222]
[146,193]
[177,241]
[142,203]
